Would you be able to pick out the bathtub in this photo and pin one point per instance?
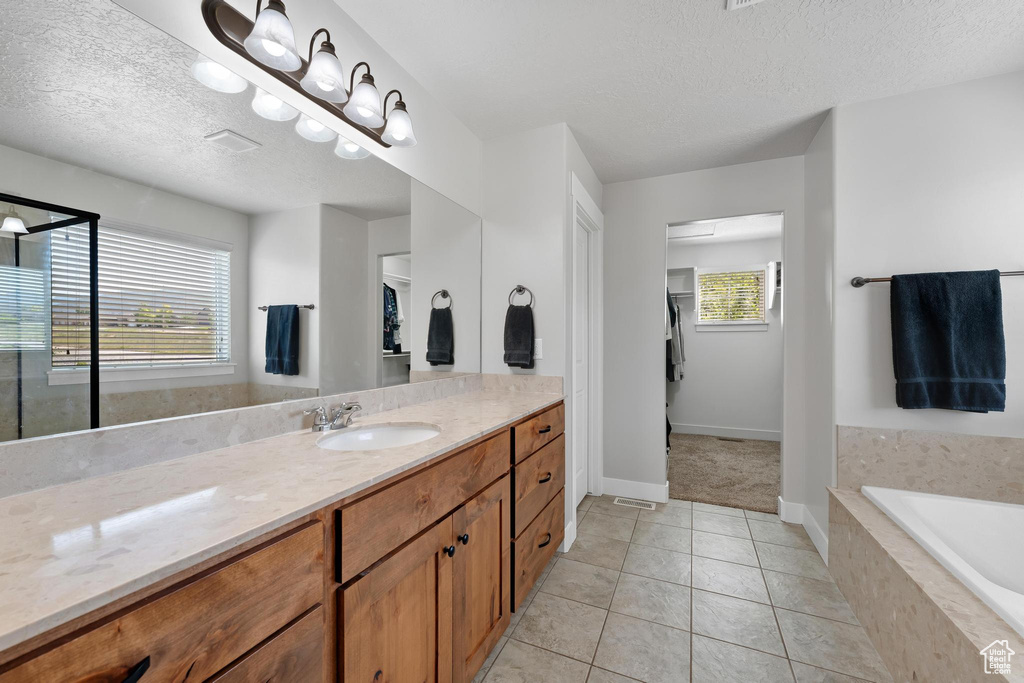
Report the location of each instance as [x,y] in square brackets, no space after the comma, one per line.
[980,542]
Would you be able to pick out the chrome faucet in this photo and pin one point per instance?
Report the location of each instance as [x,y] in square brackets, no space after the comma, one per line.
[320,421]
[342,416]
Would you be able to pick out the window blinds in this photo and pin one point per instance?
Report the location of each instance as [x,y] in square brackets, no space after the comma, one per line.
[729,297]
[161,301]
[22,309]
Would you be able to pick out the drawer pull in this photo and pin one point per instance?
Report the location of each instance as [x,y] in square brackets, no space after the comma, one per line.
[546,541]
[449,551]
[464,539]
[546,479]
[135,675]
[544,430]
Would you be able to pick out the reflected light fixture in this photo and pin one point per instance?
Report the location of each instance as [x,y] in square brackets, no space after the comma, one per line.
[216,76]
[313,130]
[346,149]
[271,107]
[272,39]
[325,78]
[13,223]
[364,101]
[398,130]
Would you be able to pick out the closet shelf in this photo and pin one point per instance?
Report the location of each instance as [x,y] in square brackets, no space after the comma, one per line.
[397,278]
[680,293]
[396,355]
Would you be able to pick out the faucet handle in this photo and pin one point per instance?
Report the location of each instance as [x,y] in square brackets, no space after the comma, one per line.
[350,407]
[319,411]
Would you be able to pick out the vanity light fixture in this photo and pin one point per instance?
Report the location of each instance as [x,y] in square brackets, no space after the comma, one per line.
[217,76]
[398,129]
[14,223]
[346,149]
[325,78]
[313,130]
[271,107]
[272,39]
[364,103]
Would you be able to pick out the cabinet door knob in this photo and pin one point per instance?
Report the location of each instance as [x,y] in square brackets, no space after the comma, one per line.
[546,479]
[463,539]
[136,672]
[544,430]
[449,551]
[546,541]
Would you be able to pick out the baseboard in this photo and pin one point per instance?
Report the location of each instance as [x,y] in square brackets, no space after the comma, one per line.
[656,493]
[570,537]
[728,432]
[797,513]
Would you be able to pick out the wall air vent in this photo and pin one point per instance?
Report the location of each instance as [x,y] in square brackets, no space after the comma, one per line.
[740,4]
[634,503]
[233,141]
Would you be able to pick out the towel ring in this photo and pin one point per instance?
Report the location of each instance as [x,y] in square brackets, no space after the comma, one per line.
[520,289]
[443,293]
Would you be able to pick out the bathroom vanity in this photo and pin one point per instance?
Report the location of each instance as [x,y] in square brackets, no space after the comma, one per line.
[410,573]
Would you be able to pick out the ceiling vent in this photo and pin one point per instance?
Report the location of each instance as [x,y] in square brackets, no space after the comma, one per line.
[233,141]
[740,4]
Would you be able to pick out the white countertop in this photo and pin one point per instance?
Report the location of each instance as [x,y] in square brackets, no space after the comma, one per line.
[69,549]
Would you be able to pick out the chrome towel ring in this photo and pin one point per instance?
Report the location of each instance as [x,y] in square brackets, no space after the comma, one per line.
[520,289]
[443,293]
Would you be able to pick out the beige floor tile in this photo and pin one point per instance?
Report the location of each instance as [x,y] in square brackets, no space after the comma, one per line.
[598,550]
[780,558]
[581,582]
[522,663]
[607,506]
[727,578]
[720,524]
[644,650]
[490,660]
[670,515]
[653,600]
[718,662]
[673,503]
[812,674]
[762,516]
[726,548]
[792,535]
[656,563]
[602,676]
[810,596]
[717,509]
[585,503]
[564,626]
[662,536]
[599,524]
[740,622]
[831,645]
[580,516]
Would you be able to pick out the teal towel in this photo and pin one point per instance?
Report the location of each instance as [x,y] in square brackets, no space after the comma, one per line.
[282,345]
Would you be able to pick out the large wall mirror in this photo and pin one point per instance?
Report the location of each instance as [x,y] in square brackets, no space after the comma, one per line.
[210,217]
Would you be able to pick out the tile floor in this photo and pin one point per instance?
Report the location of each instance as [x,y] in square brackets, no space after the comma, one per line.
[688,593]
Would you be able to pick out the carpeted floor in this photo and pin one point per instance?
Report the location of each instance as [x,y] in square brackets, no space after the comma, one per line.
[741,474]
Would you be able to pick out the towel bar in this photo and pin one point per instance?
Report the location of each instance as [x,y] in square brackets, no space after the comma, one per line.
[861,281]
[309,306]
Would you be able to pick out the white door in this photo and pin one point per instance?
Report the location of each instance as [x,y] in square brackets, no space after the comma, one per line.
[581,364]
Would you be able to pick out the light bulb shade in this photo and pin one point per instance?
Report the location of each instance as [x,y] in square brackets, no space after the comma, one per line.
[364,105]
[217,77]
[313,130]
[272,108]
[398,131]
[346,149]
[15,225]
[272,40]
[325,79]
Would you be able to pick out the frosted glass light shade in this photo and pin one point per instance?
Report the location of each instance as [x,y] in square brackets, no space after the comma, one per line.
[398,131]
[325,78]
[272,108]
[364,104]
[216,76]
[272,40]
[15,225]
[313,130]
[346,149]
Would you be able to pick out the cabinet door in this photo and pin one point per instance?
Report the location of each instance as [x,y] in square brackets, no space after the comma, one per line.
[396,619]
[482,609]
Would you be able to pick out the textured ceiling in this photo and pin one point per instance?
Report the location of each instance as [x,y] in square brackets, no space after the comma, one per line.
[87,83]
[651,87]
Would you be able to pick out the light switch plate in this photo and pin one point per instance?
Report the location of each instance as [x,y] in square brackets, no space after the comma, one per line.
[538,349]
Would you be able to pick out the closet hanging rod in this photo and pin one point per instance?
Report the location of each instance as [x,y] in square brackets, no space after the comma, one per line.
[861,281]
[309,306]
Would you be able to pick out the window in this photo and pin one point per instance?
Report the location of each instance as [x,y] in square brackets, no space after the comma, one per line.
[162,301]
[22,309]
[731,296]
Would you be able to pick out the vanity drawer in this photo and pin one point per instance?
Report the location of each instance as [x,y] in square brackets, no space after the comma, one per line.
[196,630]
[296,655]
[535,547]
[378,524]
[538,479]
[538,431]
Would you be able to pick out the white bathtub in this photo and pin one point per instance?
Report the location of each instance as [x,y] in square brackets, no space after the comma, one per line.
[980,542]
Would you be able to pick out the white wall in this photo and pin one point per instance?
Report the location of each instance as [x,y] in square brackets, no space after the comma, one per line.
[387,236]
[733,378]
[930,181]
[636,215]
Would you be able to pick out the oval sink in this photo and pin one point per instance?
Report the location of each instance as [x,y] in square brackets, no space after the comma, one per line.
[377,437]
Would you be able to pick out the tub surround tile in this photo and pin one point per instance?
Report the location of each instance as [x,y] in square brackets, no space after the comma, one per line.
[564,626]
[718,662]
[725,548]
[644,650]
[831,645]
[656,563]
[653,600]
[926,624]
[720,524]
[731,579]
[736,621]
[781,558]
